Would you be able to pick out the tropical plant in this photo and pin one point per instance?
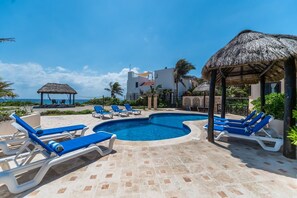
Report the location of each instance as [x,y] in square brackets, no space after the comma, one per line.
[237,91]
[103,101]
[17,103]
[154,90]
[5,90]
[68,112]
[182,68]
[274,105]
[293,131]
[115,89]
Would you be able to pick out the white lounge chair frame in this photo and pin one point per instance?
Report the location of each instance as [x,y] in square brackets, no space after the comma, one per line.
[126,113]
[23,163]
[99,115]
[16,139]
[135,112]
[278,142]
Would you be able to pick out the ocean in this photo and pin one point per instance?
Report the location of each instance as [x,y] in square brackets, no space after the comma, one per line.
[45,101]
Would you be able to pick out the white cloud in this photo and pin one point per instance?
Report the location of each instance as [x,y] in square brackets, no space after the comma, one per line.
[29,77]
[86,67]
[61,69]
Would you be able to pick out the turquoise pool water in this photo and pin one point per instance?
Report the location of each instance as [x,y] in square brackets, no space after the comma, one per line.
[156,127]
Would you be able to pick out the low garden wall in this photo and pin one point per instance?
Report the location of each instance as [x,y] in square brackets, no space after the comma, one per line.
[277,126]
[198,101]
[33,120]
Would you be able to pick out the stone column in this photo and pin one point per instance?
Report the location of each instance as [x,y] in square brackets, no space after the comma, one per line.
[149,102]
[155,101]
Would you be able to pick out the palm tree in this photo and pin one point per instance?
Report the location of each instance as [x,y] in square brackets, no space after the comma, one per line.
[154,90]
[181,70]
[115,88]
[5,90]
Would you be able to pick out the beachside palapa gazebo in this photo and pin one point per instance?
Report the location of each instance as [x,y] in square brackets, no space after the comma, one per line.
[203,87]
[251,57]
[55,88]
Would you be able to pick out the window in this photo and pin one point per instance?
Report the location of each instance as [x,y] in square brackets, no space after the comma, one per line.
[274,87]
[136,84]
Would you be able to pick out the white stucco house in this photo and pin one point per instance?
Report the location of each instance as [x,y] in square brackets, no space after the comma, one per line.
[140,83]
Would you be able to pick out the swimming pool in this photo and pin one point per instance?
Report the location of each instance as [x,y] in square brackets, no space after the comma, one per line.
[158,126]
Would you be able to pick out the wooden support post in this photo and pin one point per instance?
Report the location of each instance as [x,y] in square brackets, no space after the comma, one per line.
[262,92]
[223,99]
[204,102]
[69,99]
[41,99]
[73,101]
[289,150]
[211,106]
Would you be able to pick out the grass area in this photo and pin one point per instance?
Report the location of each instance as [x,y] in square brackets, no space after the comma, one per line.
[58,112]
[17,103]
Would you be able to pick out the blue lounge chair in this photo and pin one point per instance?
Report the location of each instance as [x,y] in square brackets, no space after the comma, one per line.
[7,141]
[256,133]
[241,125]
[117,111]
[100,112]
[53,154]
[240,121]
[131,110]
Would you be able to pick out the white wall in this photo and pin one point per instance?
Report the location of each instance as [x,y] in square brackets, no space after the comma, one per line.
[181,88]
[131,85]
[165,78]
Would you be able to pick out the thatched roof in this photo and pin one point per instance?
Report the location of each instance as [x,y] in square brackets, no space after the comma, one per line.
[251,54]
[55,88]
[202,87]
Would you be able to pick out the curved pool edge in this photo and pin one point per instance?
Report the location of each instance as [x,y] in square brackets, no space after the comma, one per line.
[195,131]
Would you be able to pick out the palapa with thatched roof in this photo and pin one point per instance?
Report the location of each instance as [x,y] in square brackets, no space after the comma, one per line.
[251,57]
[202,87]
[55,88]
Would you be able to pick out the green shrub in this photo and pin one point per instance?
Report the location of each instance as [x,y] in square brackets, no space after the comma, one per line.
[58,112]
[293,135]
[17,103]
[274,105]
[5,112]
[293,131]
[104,101]
[4,115]
[77,104]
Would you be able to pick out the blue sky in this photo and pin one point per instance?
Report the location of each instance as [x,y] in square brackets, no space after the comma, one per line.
[89,43]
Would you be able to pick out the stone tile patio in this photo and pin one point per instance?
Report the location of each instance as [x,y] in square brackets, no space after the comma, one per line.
[189,168]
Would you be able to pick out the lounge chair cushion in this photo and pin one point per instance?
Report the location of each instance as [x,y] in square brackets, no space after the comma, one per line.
[239,131]
[42,132]
[57,147]
[115,108]
[83,142]
[234,120]
[99,109]
[241,125]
